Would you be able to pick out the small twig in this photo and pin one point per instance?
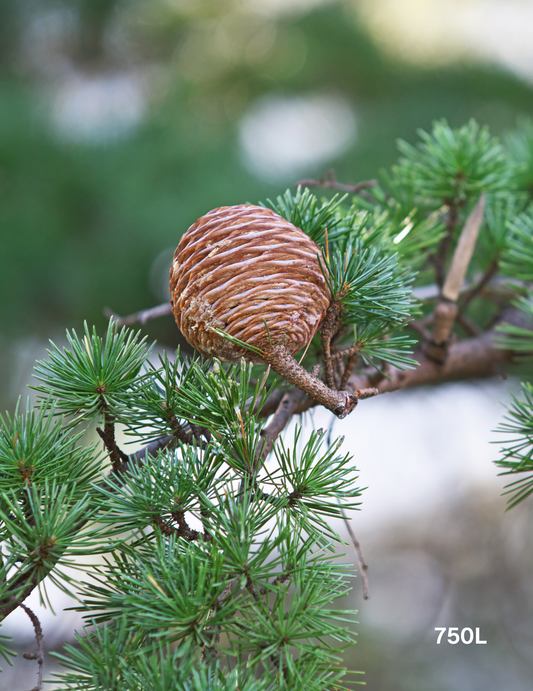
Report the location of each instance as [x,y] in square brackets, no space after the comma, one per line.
[164,527]
[463,252]
[469,295]
[140,317]
[420,327]
[151,449]
[446,309]
[367,392]
[363,567]
[183,527]
[348,351]
[178,430]
[328,330]
[439,258]
[339,402]
[39,655]
[117,456]
[250,587]
[351,362]
[331,183]
[283,414]
[279,580]
[471,328]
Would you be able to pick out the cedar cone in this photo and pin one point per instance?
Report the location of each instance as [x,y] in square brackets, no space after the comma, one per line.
[239,267]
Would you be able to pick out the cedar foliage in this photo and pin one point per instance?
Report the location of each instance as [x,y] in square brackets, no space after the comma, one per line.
[219,565]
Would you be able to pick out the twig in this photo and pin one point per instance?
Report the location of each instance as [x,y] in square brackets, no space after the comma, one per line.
[446,309]
[366,392]
[348,351]
[419,326]
[151,449]
[439,258]
[339,402]
[363,567]
[351,362]
[463,252]
[471,357]
[117,456]
[331,183]
[285,410]
[328,330]
[469,295]
[178,430]
[140,317]
[471,328]
[39,655]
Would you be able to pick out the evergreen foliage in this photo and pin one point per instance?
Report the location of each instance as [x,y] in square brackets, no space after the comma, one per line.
[220,569]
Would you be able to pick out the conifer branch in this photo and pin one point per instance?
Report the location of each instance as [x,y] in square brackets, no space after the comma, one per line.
[472,357]
[39,655]
[339,402]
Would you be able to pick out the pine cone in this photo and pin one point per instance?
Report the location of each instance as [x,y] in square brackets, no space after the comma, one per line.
[242,269]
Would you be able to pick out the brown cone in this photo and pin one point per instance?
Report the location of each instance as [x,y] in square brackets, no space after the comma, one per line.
[238,267]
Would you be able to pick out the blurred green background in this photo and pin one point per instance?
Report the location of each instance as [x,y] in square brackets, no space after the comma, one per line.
[122,122]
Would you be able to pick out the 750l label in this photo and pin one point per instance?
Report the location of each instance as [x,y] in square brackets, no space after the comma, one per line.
[455,636]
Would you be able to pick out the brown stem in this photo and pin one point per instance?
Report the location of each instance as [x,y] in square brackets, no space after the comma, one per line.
[446,309]
[363,568]
[439,258]
[22,585]
[346,352]
[472,357]
[197,434]
[463,253]
[444,318]
[339,402]
[250,587]
[328,329]
[331,183]
[140,317]
[164,527]
[39,655]
[283,414]
[117,457]
[151,449]
[471,328]
[351,362]
[419,326]
[183,526]
[469,295]
[178,430]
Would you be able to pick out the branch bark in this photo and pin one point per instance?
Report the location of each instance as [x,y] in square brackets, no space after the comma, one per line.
[331,183]
[473,357]
[285,410]
[39,655]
